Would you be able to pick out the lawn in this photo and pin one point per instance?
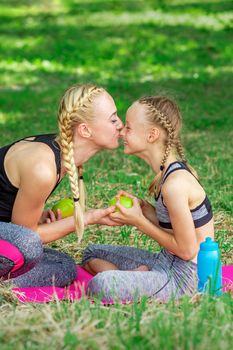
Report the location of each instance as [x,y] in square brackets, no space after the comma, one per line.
[179,47]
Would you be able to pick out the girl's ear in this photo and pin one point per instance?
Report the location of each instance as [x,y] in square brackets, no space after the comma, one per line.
[153,135]
[83,130]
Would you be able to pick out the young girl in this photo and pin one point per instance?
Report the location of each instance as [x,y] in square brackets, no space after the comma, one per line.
[180,221]
[30,170]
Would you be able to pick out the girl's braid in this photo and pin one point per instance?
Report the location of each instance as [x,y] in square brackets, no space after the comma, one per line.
[164,112]
[165,123]
[180,150]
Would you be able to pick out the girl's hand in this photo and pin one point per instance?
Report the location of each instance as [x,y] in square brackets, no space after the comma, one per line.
[127,216]
[100,216]
[48,216]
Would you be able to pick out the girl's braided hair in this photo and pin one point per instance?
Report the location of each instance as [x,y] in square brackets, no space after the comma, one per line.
[164,112]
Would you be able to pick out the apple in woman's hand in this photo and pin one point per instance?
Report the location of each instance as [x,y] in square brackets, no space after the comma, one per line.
[124,201]
[66,206]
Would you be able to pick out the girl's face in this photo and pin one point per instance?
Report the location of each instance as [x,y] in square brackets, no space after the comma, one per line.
[134,133]
[106,125]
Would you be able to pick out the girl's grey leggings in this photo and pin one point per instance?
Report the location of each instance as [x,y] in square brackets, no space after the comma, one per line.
[168,275]
[25,262]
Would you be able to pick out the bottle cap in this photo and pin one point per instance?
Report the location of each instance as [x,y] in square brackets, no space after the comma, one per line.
[209,244]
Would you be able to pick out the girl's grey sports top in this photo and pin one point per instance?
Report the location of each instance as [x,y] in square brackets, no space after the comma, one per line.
[201,214]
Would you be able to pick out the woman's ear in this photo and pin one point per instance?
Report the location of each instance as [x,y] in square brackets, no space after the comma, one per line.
[153,135]
[84,130]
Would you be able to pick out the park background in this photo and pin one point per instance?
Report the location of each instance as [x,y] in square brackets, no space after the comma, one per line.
[182,48]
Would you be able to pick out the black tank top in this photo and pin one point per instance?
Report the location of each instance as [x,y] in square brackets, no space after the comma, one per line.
[8,192]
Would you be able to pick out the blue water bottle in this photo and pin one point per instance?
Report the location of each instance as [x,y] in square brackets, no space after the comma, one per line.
[209,268]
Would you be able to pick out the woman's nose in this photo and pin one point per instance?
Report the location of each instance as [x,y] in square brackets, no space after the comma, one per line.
[120,125]
[122,132]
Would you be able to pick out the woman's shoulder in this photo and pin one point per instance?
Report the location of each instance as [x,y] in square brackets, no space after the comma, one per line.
[38,156]
[33,161]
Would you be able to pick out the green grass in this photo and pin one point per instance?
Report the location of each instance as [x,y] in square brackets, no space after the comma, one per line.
[180,47]
[191,324]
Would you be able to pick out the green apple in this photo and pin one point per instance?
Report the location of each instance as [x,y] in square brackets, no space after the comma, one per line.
[124,201]
[66,205]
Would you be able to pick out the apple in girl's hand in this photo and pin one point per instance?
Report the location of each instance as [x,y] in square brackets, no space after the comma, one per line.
[124,201]
[66,206]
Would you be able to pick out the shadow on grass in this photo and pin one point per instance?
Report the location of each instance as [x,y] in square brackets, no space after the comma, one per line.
[33,108]
[141,48]
[44,53]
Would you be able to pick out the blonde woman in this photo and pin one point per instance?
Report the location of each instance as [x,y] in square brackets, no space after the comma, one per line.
[30,170]
[180,220]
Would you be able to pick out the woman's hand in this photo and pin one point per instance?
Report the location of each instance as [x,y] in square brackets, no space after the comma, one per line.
[48,216]
[100,216]
[127,216]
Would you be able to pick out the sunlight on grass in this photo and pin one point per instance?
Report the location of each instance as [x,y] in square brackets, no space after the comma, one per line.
[54,6]
[210,21]
[36,64]
[133,47]
[2,118]
[6,117]
[214,22]
[16,42]
[23,72]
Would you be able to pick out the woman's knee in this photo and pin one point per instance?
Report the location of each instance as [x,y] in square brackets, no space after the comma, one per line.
[55,269]
[32,249]
[69,269]
[63,269]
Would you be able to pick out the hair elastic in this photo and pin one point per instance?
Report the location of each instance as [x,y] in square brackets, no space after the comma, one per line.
[81,177]
[75,199]
[161,167]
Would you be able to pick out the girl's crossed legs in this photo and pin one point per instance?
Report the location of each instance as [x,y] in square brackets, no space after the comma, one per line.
[168,275]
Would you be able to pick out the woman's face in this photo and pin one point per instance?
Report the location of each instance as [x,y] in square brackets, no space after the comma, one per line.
[106,125]
[134,133]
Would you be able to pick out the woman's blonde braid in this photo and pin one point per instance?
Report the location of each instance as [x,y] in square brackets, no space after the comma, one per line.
[66,140]
[81,187]
[75,107]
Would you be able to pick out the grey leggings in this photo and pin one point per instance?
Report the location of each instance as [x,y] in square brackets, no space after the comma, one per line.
[25,262]
[169,276]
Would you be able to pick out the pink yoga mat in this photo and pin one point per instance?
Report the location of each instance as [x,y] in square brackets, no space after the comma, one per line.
[45,294]
[227,278]
[78,289]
